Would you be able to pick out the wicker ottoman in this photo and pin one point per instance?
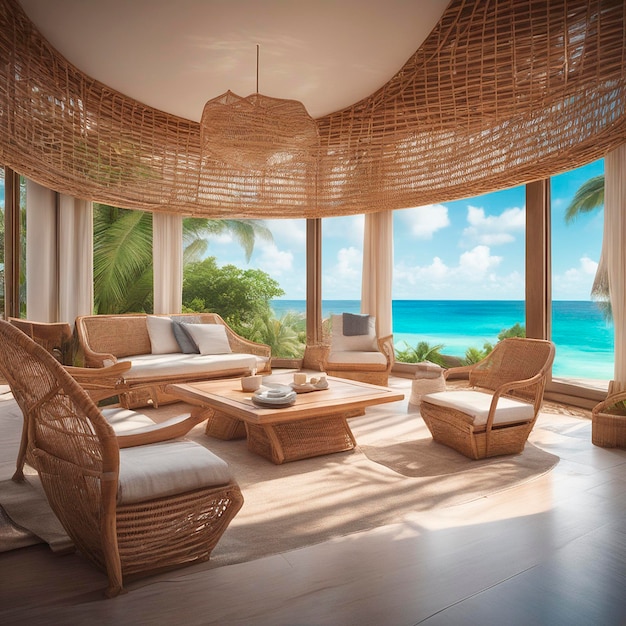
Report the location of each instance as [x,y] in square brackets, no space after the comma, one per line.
[428,379]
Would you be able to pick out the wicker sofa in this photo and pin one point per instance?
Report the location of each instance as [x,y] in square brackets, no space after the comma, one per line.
[165,349]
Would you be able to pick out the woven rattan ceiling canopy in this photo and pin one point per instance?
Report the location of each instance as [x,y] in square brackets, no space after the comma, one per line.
[501,93]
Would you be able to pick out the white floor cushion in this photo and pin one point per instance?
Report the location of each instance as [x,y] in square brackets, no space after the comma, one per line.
[477,404]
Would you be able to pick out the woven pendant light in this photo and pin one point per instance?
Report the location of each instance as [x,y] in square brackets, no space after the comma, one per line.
[258,132]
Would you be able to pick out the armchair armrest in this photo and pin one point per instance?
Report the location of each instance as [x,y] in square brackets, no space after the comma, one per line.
[101,382]
[536,381]
[172,428]
[385,345]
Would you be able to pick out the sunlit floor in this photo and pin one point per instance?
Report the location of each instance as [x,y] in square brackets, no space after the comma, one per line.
[550,551]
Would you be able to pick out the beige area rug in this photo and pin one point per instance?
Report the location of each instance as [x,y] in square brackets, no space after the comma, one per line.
[26,505]
[396,470]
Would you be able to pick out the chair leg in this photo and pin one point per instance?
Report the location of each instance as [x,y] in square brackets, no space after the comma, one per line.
[18,477]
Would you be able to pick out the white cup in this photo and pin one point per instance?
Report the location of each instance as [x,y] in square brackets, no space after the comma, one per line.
[299,378]
[251,383]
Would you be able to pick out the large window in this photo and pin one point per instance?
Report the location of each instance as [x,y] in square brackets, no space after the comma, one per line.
[581,322]
[459,272]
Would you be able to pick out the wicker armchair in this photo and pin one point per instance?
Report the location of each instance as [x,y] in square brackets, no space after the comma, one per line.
[497,414]
[130,508]
[364,357]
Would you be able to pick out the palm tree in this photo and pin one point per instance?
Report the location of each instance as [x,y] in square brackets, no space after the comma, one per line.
[589,198]
[197,230]
[123,253]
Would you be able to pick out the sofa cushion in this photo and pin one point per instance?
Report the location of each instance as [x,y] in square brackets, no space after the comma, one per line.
[339,342]
[165,469]
[186,343]
[477,403]
[210,338]
[162,366]
[354,324]
[162,339]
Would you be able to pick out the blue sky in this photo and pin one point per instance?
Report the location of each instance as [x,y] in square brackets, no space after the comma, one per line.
[470,249]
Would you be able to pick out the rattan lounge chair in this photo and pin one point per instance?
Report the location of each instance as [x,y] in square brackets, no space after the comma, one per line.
[496,415]
[130,508]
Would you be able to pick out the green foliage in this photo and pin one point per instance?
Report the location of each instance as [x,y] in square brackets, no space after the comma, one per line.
[423,351]
[474,355]
[122,260]
[286,335]
[239,296]
[517,330]
[588,198]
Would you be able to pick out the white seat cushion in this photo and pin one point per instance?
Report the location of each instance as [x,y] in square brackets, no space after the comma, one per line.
[123,420]
[477,404]
[164,365]
[165,469]
[350,357]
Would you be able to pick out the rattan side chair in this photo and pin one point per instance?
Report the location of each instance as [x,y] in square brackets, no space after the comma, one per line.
[364,357]
[499,410]
[130,508]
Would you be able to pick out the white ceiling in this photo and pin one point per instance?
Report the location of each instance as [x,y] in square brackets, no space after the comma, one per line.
[174,55]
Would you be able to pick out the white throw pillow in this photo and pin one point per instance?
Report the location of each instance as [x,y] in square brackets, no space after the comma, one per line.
[355,343]
[161,334]
[210,338]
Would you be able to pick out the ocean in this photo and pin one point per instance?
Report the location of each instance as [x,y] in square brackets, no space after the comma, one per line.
[583,339]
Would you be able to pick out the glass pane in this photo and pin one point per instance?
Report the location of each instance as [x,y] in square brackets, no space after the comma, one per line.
[342,264]
[581,326]
[459,272]
[252,273]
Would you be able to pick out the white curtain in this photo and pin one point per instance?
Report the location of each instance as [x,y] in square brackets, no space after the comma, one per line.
[59,256]
[75,245]
[41,254]
[167,254]
[378,270]
[614,238]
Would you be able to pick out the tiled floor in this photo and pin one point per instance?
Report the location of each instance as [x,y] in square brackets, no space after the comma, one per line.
[551,551]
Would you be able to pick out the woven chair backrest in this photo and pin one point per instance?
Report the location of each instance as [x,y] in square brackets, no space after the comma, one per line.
[513,359]
[62,419]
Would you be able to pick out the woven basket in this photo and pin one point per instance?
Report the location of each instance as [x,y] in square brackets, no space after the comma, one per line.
[608,424]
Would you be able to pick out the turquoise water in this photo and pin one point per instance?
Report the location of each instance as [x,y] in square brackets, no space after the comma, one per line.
[584,341]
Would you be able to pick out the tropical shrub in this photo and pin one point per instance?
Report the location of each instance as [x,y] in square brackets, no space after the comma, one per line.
[423,351]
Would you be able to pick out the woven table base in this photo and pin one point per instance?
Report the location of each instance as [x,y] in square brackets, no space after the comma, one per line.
[291,441]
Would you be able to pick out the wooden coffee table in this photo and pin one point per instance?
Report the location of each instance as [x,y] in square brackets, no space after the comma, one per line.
[316,424]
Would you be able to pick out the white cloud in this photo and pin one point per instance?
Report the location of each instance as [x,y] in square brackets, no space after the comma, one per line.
[474,277]
[423,222]
[292,231]
[274,261]
[349,229]
[342,281]
[587,266]
[575,282]
[476,263]
[493,230]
